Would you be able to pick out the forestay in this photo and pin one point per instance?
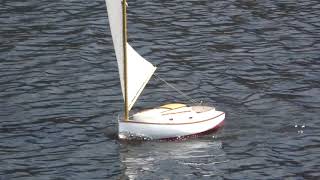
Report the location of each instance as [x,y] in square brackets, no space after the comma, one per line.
[139,70]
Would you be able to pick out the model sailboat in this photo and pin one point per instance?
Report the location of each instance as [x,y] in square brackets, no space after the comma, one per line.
[168,121]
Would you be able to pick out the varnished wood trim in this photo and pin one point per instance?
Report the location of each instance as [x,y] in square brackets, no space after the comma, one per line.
[175,112]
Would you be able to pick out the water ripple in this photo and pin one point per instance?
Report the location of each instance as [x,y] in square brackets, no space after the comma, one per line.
[256,60]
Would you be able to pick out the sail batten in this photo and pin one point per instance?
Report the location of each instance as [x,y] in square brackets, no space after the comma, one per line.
[138,69]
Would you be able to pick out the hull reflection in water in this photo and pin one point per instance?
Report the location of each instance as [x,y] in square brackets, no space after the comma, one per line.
[187,158]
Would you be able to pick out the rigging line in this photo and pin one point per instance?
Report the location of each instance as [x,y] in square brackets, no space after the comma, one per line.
[176,89]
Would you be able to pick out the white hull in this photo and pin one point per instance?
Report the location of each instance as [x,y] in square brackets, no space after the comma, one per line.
[162,129]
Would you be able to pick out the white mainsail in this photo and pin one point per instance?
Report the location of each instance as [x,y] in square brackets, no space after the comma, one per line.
[139,70]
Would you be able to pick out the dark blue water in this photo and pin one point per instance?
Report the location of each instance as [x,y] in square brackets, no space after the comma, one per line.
[259,61]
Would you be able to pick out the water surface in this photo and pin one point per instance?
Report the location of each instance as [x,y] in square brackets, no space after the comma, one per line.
[259,61]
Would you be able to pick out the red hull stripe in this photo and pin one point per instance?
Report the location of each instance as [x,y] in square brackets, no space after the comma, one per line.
[212,130]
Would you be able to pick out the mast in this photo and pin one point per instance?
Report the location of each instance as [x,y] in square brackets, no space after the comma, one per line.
[124,32]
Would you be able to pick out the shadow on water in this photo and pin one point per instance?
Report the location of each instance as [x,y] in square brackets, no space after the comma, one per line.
[111,132]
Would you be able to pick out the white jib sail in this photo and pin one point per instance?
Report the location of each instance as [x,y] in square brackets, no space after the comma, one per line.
[139,70]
